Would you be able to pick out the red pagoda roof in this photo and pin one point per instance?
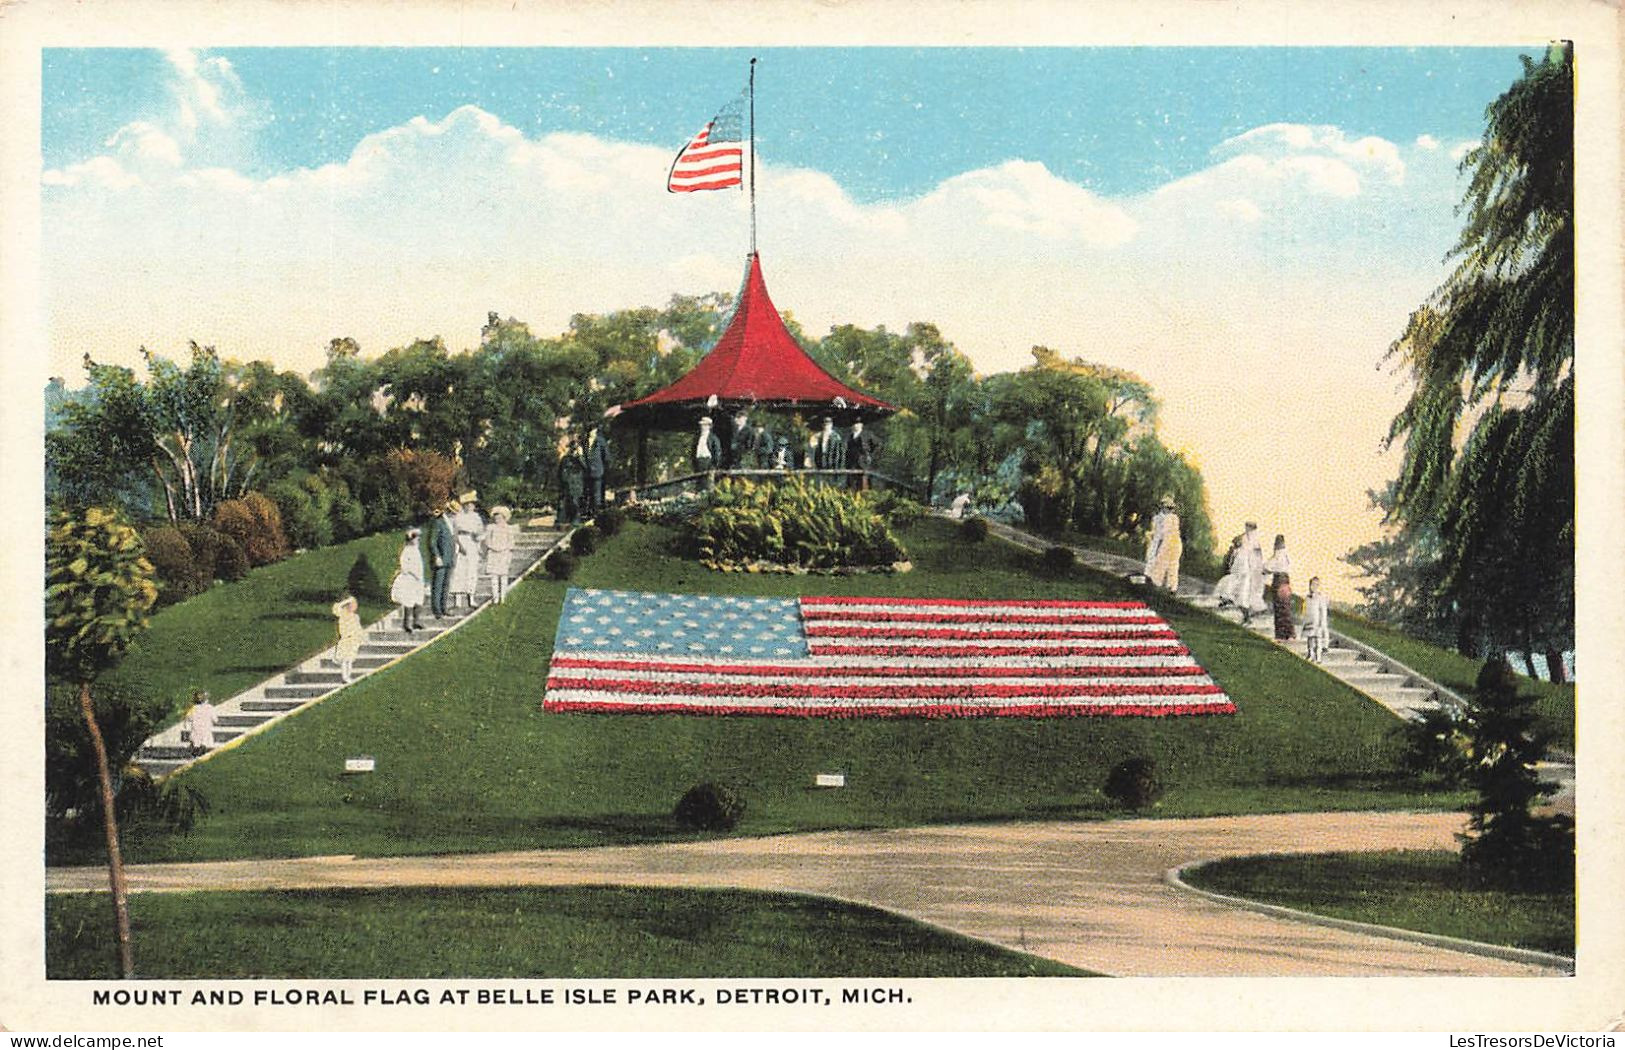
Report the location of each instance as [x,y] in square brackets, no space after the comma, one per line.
[758,362]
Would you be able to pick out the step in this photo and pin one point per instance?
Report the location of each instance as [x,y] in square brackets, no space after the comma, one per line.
[414,638]
[327,678]
[243,721]
[375,648]
[299,692]
[360,663]
[159,768]
[272,705]
[162,752]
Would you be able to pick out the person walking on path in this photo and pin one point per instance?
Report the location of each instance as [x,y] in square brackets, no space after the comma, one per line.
[442,556]
[1164,548]
[1246,577]
[407,589]
[1317,628]
[499,552]
[465,574]
[1280,590]
[348,612]
[200,722]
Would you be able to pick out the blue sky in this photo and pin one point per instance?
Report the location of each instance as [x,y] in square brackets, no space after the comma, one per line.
[1246,228]
[887,123]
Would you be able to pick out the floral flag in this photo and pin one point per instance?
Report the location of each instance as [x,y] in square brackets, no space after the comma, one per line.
[621,651]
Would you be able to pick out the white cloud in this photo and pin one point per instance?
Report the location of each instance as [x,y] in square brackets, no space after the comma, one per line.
[1369,155]
[1427,142]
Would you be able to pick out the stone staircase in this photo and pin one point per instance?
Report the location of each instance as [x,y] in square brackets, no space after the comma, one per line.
[1403,691]
[318,677]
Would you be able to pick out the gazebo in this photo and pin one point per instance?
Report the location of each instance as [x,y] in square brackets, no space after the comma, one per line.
[756,364]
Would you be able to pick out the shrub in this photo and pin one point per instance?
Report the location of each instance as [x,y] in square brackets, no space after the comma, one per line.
[899,511]
[584,540]
[205,543]
[253,521]
[1133,783]
[610,520]
[348,518]
[424,480]
[230,563]
[172,560]
[1435,745]
[304,520]
[560,565]
[710,807]
[793,522]
[1058,560]
[973,530]
[364,582]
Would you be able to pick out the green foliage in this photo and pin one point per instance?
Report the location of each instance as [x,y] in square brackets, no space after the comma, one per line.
[1132,783]
[126,718]
[363,580]
[303,513]
[584,541]
[710,807]
[899,511]
[609,520]
[174,563]
[1436,744]
[1506,845]
[974,530]
[99,587]
[560,565]
[231,562]
[256,525]
[1057,560]
[792,523]
[1488,432]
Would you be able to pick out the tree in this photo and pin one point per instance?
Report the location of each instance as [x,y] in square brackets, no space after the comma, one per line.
[1488,432]
[98,591]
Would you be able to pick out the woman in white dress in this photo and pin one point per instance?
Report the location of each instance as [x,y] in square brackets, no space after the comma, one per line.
[348,613]
[499,552]
[465,572]
[408,589]
[201,723]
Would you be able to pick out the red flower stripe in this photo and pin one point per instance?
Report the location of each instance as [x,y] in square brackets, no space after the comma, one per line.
[964,634]
[825,671]
[827,601]
[886,692]
[812,615]
[998,650]
[918,711]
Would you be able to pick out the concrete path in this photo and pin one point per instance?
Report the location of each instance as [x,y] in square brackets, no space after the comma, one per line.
[1088,894]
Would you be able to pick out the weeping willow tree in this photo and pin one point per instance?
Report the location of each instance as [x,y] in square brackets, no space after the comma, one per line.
[1488,433]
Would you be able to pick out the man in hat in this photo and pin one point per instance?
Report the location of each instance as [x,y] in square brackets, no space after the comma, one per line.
[707,454]
[742,446]
[442,556]
[572,481]
[598,458]
[862,453]
[1163,549]
[831,453]
[761,439]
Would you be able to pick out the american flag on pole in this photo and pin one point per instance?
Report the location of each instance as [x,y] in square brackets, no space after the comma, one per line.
[621,651]
[714,159]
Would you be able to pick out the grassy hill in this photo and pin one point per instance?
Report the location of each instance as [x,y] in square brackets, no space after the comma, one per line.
[467,761]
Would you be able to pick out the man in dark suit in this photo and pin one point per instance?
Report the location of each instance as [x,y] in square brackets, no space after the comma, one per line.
[762,441]
[442,555]
[862,452]
[831,451]
[707,453]
[742,445]
[598,460]
[572,483]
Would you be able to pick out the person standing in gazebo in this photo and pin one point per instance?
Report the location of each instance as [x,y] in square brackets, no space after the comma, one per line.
[862,452]
[831,448]
[706,457]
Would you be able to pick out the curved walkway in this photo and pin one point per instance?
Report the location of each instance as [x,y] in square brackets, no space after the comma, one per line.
[1088,894]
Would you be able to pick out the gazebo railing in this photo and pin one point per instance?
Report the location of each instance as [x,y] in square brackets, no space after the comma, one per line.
[688,483]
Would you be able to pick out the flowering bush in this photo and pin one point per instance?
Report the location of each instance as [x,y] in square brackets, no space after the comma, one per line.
[810,526]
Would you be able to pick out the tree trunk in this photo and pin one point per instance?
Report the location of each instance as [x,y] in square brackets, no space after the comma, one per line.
[1554,666]
[115,861]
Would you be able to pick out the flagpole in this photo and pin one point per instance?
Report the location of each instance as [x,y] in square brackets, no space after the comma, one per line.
[753,156]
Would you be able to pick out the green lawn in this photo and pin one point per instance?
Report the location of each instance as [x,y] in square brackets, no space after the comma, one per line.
[236,634]
[590,931]
[1460,673]
[467,761]
[1413,890]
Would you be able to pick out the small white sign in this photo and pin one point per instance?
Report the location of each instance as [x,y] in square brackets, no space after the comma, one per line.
[830,780]
[360,764]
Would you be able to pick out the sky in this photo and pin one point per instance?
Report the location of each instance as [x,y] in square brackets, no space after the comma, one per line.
[1247,228]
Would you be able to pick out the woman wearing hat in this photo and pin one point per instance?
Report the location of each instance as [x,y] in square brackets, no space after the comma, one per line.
[499,552]
[1163,549]
[1279,591]
[348,613]
[408,588]
[465,572]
